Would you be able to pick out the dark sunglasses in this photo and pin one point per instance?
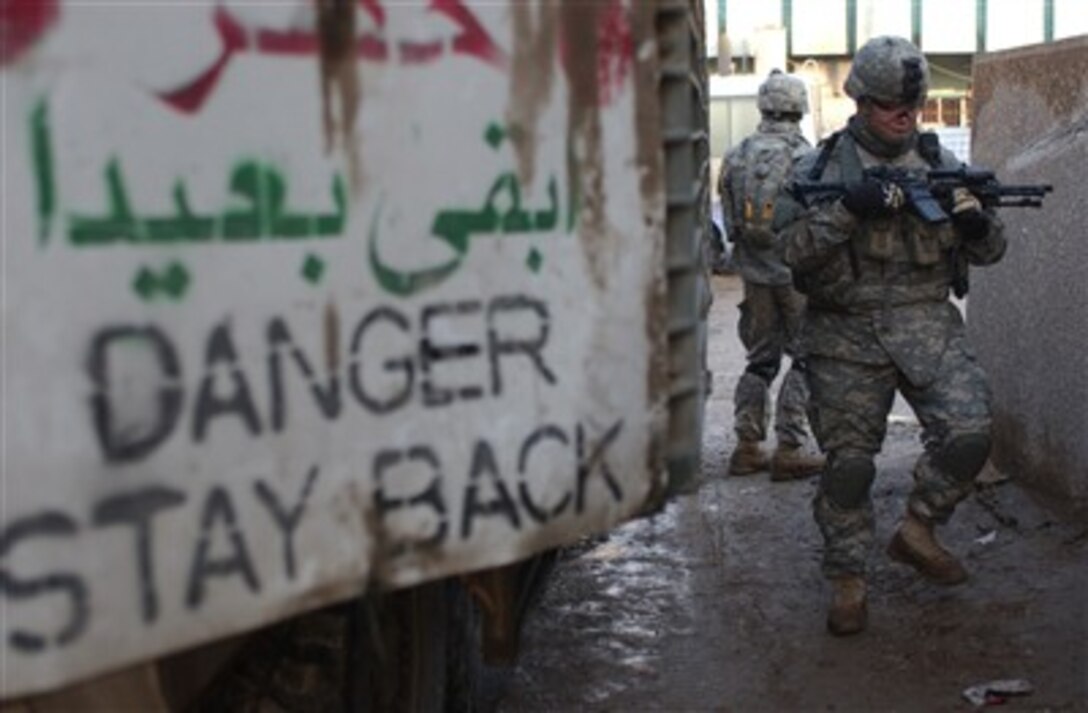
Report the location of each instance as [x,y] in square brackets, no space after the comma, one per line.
[890,106]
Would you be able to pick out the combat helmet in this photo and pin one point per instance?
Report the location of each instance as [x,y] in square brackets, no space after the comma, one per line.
[782,94]
[890,70]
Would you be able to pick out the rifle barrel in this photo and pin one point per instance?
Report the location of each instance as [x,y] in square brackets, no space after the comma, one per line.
[1021,203]
[1025,190]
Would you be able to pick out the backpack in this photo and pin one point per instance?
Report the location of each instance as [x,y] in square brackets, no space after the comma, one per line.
[757,170]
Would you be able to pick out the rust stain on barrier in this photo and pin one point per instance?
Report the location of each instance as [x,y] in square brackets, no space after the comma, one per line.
[532,77]
[341,91]
[585,159]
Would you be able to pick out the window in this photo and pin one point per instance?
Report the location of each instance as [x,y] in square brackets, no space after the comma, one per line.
[947,111]
[931,113]
[950,112]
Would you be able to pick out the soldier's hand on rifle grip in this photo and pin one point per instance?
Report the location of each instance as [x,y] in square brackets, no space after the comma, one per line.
[967,215]
[873,198]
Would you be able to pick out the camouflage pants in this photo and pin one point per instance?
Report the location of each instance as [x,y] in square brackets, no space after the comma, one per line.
[849,410]
[769,327]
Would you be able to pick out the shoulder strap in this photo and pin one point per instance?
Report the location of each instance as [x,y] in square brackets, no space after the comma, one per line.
[929,148]
[741,178]
[826,147]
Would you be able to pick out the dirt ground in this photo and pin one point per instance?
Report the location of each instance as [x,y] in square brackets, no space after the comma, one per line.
[717,602]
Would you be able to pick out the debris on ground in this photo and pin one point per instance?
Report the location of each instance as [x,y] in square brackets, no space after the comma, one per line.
[994,693]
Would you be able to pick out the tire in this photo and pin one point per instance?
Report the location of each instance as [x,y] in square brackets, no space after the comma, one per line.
[475,684]
[296,666]
[397,650]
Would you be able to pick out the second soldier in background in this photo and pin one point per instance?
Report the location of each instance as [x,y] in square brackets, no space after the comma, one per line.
[752,174]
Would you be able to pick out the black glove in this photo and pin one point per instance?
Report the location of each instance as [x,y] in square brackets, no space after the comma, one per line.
[971,224]
[873,198]
[967,215]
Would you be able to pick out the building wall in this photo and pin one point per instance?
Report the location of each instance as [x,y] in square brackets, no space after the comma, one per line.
[820,28]
[1028,316]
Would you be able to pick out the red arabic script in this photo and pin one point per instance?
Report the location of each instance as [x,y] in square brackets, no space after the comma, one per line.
[22,24]
[471,39]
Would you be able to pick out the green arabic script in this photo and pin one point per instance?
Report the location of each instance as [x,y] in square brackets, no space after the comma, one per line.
[258,209]
[500,214]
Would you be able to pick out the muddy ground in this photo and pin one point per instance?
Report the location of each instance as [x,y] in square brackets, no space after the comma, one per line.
[717,603]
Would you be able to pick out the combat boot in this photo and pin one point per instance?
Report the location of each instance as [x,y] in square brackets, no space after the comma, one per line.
[849,613]
[791,463]
[748,458]
[914,544]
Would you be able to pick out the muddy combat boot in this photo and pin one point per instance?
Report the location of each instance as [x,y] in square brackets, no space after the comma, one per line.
[747,459]
[914,544]
[791,463]
[848,613]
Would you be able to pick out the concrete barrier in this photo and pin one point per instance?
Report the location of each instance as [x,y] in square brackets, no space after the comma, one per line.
[1028,316]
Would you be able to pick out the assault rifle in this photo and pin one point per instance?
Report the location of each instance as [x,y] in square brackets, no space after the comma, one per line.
[931,198]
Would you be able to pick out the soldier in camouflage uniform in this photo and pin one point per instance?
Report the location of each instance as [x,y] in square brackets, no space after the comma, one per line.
[880,321]
[752,176]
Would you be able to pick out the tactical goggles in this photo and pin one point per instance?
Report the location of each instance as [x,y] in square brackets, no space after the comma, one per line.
[891,106]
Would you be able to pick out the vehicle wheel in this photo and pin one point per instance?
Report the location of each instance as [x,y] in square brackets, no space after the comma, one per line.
[397,645]
[296,666]
[477,685]
[474,685]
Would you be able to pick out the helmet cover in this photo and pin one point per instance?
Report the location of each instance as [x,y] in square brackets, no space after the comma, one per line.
[782,94]
[890,70]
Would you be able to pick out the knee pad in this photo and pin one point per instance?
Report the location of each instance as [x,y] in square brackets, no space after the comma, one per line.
[963,456]
[846,481]
[750,389]
[765,371]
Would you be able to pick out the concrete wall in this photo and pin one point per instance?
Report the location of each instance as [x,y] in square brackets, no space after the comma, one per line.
[1028,316]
